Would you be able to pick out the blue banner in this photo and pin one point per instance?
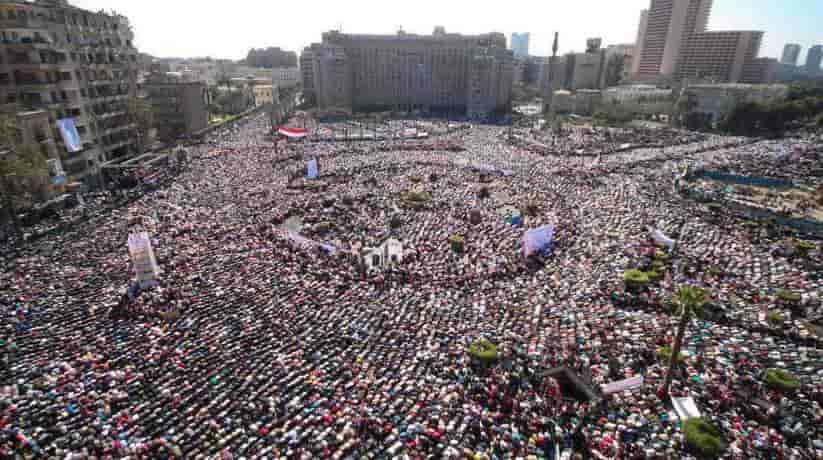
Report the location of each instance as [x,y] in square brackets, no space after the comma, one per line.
[70,135]
[311,169]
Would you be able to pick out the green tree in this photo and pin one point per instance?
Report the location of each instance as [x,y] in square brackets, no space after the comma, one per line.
[23,169]
[140,113]
[689,298]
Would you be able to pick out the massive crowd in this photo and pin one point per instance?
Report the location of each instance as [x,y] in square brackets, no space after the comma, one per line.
[257,344]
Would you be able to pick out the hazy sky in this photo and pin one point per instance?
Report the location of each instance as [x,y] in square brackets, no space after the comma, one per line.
[227,29]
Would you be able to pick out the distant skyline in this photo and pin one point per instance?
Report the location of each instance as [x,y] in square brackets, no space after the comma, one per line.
[192,28]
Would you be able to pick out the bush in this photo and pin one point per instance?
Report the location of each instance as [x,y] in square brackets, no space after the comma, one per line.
[775,319]
[803,247]
[483,351]
[636,278]
[665,354]
[779,379]
[457,243]
[788,296]
[704,437]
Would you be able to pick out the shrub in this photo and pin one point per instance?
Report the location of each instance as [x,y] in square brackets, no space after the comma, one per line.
[788,296]
[457,243]
[775,319]
[665,354]
[483,351]
[803,247]
[660,255]
[418,196]
[704,437]
[654,274]
[636,278]
[779,379]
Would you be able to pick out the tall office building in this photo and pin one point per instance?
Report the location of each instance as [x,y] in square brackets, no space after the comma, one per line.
[72,63]
[790,54]
[641,40]
[718,56]
[440,72]
[668,25]
[814,58]
[520,44]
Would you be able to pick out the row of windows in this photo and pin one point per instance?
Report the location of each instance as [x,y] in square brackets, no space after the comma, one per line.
[60,17]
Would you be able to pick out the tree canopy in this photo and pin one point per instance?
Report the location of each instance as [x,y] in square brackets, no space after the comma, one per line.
[270,58]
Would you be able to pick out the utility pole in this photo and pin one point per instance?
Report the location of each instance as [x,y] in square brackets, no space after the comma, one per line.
[550,90]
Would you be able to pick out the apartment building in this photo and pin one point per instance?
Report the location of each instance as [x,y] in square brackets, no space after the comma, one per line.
[441,72]
[71,63]
[180,107]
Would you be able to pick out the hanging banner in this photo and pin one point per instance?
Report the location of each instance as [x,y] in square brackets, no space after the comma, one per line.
[142,256]
[311,169]
[70,135]
[685,408]
[623,385]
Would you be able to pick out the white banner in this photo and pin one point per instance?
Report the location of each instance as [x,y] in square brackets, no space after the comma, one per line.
[685,408]
[142,255]
[623,385]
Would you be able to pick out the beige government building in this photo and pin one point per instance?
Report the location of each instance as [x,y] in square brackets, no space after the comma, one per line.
[438,73]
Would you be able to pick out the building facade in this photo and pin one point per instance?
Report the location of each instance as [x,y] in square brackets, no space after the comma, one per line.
[180,107]
[433,73]
[719,56]
[263,95]
[286,77]
[631,94]
[72,63]
[307,74]
[790,54]
[668,25]
[520,44]
[717,100]
[639,42]
[813,59]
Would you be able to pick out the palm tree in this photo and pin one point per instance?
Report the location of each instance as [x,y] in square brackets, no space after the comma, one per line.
[690,298]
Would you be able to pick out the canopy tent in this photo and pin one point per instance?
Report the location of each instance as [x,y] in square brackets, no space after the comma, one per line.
[293,133]
[538,240]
